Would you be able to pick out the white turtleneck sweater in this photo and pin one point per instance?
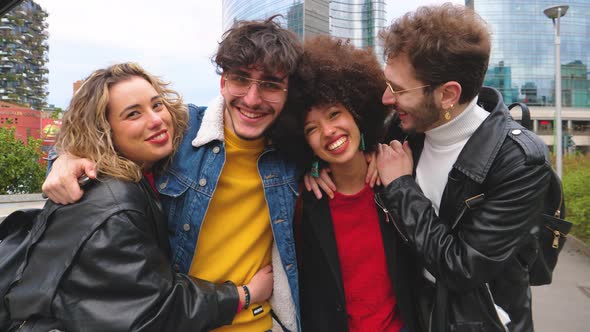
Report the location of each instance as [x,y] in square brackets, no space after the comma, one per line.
[442,146]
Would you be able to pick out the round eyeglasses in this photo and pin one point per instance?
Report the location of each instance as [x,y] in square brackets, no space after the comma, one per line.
[239,86]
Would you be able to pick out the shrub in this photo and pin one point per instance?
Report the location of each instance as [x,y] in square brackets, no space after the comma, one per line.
[21,168]
[576,187]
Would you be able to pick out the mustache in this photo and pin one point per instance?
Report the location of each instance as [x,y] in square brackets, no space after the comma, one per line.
[239,103]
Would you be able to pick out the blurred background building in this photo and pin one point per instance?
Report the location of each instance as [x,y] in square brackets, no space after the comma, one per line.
[23,55]
[522,63]
[356,20]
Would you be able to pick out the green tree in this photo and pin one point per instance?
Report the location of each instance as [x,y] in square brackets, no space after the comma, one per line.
[21,167]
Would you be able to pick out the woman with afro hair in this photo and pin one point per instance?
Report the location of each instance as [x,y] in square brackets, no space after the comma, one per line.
[356,269]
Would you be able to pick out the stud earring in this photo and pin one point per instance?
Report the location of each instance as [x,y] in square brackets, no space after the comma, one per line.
[315,169]
[362,146]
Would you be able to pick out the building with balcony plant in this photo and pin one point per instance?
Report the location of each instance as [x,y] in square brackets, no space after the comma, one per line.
[23,55]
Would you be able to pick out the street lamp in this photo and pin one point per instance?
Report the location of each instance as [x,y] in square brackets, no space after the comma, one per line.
[555,13]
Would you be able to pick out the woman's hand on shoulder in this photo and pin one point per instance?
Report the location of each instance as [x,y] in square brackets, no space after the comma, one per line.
[372,176]
[323,181]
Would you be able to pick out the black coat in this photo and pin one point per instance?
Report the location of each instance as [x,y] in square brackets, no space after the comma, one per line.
[120,278]
[323,305]
[479,247]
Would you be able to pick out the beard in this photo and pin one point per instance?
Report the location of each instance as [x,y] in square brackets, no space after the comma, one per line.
[423,115]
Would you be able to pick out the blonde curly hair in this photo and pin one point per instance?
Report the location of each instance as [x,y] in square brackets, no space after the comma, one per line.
[86,132]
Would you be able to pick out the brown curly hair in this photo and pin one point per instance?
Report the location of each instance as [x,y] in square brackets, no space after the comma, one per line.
[332,71]
[263,44]
[444,43]
[86,132]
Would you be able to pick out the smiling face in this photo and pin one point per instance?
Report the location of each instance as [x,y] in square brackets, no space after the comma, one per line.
[141,124]
[417,109]
[332,134]
[249,116]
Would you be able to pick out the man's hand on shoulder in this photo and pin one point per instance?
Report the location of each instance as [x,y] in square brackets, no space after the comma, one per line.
[61,184]
[393,161]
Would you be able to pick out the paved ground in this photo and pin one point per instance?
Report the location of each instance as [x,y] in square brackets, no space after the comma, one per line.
[7,208]
[564,306]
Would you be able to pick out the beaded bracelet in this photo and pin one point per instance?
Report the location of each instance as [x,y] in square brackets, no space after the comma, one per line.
[247,297]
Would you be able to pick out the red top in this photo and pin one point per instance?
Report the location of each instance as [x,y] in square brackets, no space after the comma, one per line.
[150,177]
[370,299]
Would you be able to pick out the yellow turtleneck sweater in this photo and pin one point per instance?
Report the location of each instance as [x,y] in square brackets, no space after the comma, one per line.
[236,238]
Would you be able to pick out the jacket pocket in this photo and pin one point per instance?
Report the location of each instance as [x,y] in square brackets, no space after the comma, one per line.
[173,196]
[170,185]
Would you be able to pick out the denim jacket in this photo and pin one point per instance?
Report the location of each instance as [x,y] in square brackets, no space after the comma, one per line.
[187,187]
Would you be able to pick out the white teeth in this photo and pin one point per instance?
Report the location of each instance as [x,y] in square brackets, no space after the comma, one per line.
[251,115]
[160,136]
[337,144]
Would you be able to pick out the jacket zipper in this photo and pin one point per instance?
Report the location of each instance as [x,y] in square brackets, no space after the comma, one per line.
[21,325]
[388,216]
[453,225]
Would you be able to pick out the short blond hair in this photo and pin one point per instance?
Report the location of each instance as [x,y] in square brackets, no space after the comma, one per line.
[86,132]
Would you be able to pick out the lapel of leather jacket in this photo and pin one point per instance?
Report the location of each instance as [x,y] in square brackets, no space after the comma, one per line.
[475,160]
[159,225]
[321,223]
[469,172]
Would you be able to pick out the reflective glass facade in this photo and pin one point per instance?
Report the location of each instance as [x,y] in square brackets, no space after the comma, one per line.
[522,63]
[357,20]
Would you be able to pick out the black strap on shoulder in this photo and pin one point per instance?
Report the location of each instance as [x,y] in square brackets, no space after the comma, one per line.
[276,318]
[526,115]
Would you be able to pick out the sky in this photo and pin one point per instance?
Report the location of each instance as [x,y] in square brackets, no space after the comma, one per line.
[174,42]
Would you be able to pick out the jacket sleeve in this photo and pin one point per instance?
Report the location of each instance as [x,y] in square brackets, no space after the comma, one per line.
[122,281]
[486,236]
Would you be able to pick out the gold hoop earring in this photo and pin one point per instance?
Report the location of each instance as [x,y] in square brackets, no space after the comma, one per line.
[448,112]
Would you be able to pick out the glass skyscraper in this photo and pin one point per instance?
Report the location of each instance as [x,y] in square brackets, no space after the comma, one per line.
[356,20]
[522,63]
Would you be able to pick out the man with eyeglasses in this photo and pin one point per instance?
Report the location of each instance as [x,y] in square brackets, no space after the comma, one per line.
[230,193]
[467,186]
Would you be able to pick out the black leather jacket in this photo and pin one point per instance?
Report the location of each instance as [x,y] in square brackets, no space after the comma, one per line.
[120,277]
[478,248]
[323,305]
